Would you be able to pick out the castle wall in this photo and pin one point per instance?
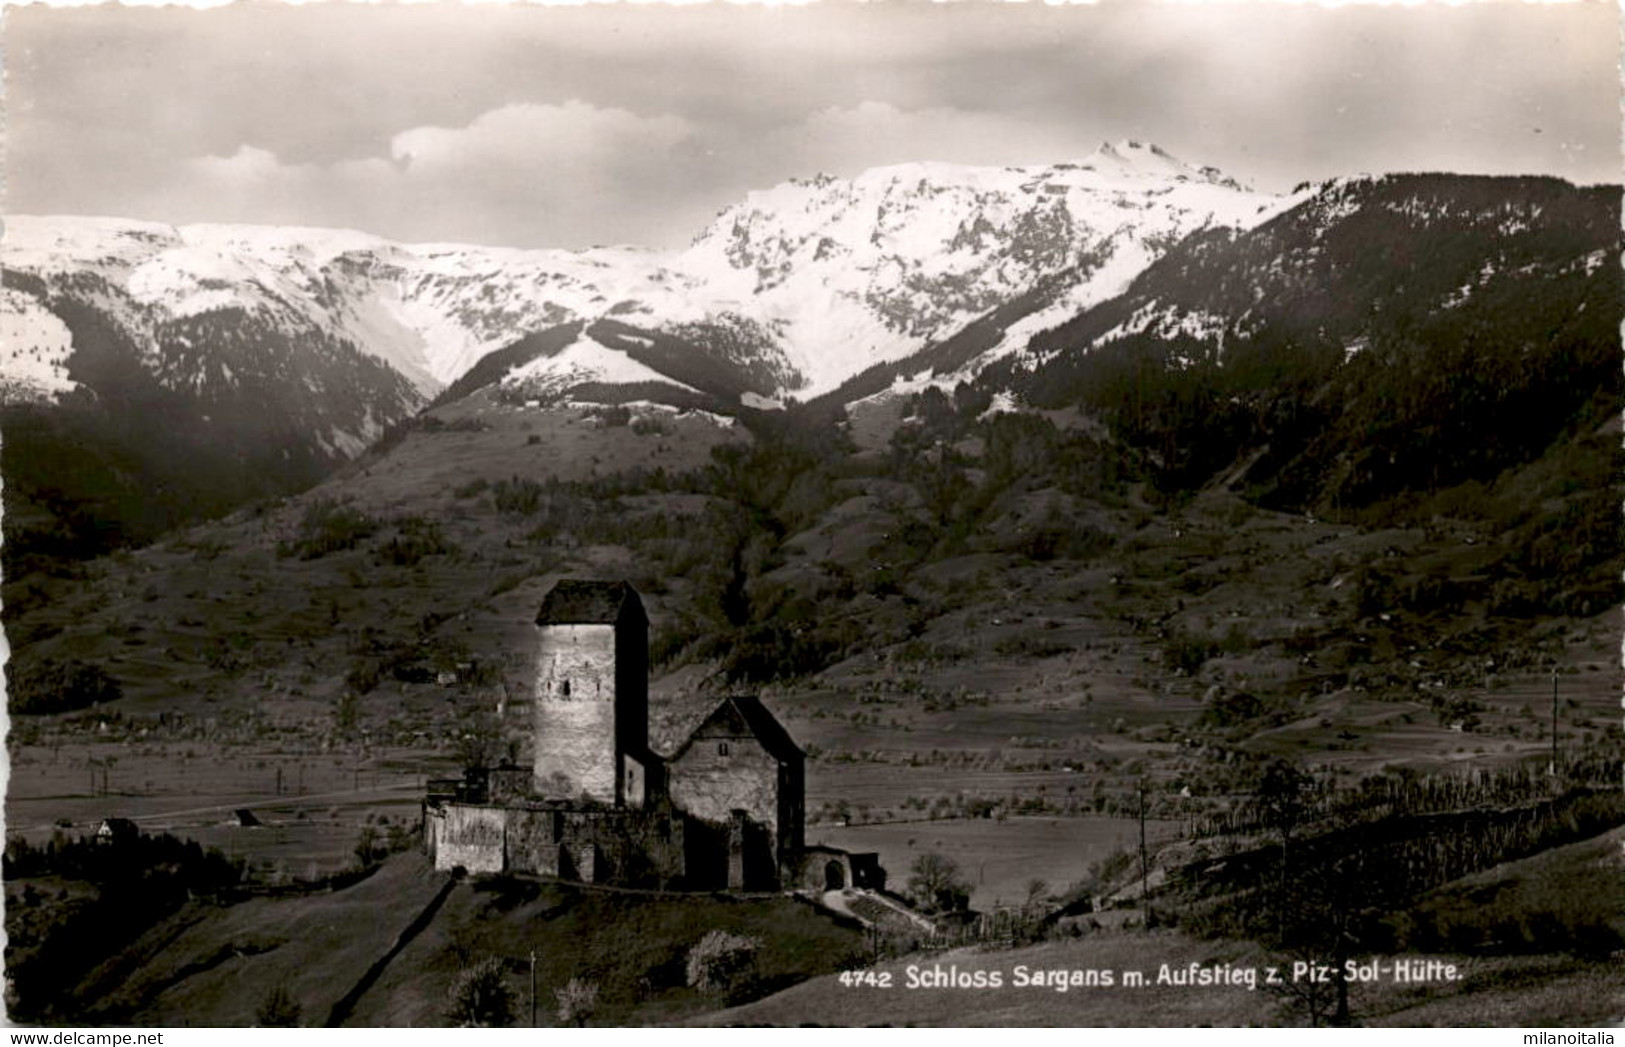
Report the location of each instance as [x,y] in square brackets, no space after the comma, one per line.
[574,713]
[472,837]
[632,848]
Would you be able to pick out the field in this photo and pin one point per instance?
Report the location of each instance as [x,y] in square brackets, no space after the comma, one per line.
[999,859]
[307,829]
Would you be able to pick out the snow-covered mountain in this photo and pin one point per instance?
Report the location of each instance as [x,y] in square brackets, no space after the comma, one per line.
[150,374]
[851,274]
[795,290]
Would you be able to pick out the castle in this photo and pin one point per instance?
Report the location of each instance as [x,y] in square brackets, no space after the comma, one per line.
[725,810]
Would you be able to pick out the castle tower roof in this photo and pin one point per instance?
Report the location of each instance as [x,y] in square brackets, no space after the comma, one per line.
[576,601]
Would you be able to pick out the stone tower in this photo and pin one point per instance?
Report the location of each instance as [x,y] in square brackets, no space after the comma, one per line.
[590,713]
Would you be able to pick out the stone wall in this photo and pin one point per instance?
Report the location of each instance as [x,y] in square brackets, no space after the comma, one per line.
[713,778]
[467,836]
[821,868]
[625,847]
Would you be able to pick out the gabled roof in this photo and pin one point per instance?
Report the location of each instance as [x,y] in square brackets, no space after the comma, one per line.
[579,601]
[744,716]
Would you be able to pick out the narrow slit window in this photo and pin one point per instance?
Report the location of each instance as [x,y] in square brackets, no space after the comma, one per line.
[722,748]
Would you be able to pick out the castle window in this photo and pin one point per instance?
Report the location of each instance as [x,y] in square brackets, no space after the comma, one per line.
[564,688]
[722,748]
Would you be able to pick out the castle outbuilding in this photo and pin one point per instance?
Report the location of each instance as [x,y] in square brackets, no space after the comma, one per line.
[594,803]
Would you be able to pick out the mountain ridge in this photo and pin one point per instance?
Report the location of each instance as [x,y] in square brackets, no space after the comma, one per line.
[824,289]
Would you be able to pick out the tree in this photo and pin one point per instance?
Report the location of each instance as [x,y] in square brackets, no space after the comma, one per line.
[366,846]
[347,707]
[723,963]
[578,1000]
[480,745]
[53,686]
[480,997]
[1316,913]
[936,885]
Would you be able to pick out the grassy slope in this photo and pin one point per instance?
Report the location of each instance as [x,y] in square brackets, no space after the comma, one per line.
[215,967]
[632,946]
[221,964]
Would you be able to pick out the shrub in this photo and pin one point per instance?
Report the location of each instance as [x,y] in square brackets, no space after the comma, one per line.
[1184,653]
[480,997]
[723,963]
[329,527]
[278,1010]
[415,538]
[1029,645]
[368,848]
[517,496]
[53,686]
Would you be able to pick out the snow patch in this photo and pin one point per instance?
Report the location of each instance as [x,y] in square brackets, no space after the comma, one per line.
[760,403]
[585,360]
[1003,403]
[34,349]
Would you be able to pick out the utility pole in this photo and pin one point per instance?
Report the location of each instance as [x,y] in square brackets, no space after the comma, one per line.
[533,988]
[1552,770]
[1145,867]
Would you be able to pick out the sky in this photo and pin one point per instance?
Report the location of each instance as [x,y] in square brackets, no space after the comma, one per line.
[555,126]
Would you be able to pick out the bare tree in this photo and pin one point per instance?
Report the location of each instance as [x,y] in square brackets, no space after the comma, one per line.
[937,885]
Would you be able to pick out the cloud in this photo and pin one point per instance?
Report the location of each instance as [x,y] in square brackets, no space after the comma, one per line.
[572,141]
[848,140]
[512,175]
[574,174]
[427,121]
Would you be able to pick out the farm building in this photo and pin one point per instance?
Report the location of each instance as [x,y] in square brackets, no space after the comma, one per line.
[117,831]
[592,802]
